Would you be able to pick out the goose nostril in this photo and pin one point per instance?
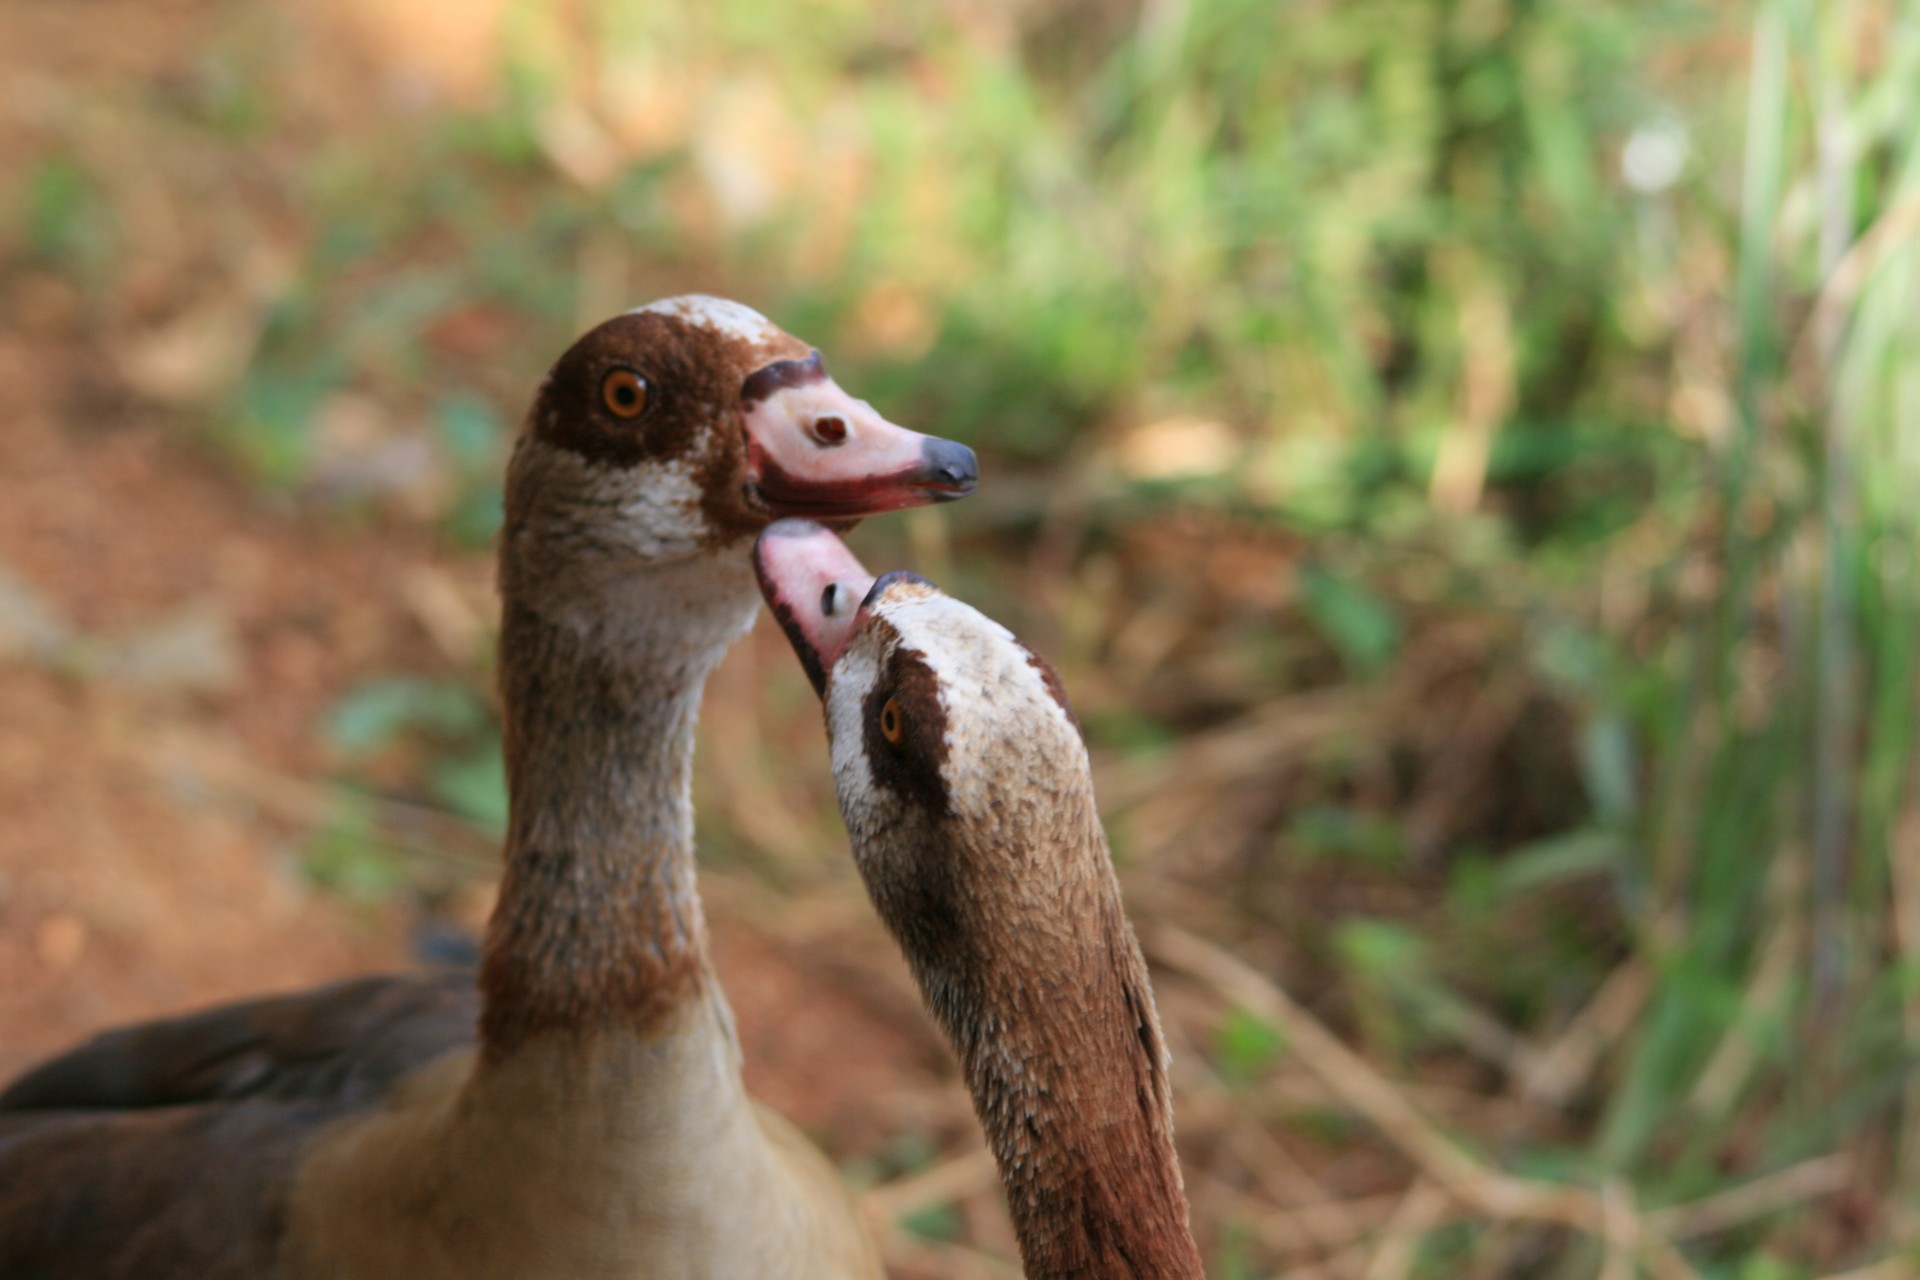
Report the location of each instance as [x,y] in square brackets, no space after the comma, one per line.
[830,599]
[830,430]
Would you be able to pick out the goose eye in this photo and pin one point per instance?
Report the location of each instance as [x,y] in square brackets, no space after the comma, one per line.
[624,392]
[891,727]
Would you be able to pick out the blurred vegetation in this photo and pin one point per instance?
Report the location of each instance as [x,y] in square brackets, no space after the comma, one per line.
[1459,452]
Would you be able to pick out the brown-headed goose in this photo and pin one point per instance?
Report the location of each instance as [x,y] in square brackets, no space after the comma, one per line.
[581,1114]
[964,783]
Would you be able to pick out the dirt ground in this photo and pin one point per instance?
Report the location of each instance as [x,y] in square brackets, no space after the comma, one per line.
[170,641]
[173,636]
[137,875]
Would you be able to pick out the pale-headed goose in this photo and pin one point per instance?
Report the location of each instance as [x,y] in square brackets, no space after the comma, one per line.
[964,783]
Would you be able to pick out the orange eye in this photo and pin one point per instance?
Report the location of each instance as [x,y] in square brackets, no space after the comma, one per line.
[890,726]
[624,392]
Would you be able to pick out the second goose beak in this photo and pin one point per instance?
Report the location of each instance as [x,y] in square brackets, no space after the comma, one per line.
[816,590]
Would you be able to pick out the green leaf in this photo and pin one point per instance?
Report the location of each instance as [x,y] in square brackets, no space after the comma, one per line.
[1117,727]
[475,786]
[1610,766]
[1360,626]
[1765,1266]
[1335,830]
[1380,949]
[374,714]
[1246,1046]
[934,1222]
[346,858]
[1573,855]
[63,210]
[271,433]
[476,515]
[471,432]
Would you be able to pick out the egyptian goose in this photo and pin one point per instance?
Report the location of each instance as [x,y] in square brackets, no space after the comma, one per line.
[964,783]
[581,1114]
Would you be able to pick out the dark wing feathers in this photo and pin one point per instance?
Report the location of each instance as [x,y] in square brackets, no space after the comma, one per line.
[170,1193]
[167,1150]
[342,1043]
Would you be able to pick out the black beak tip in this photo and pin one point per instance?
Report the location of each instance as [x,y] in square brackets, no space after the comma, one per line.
[950,468]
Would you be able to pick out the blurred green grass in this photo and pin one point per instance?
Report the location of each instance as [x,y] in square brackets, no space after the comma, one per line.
[1538,377]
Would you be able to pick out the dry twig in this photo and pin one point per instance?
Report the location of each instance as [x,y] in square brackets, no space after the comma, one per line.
[1549,1077]
[1885,1269]
[1346,1076]
[1724,1210]
[956,1179]
[1422,1209]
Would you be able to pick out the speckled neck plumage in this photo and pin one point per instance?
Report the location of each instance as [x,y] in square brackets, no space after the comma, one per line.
[1062,1051]
[598,922]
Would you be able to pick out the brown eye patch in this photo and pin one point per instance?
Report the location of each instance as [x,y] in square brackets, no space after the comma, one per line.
[908,760]
[693,378]
[685,372]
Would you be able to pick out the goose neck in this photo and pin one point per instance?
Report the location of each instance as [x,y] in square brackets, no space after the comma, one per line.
[598,921]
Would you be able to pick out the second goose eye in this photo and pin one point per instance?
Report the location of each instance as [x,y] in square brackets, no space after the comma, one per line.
[891,727]
[624,392]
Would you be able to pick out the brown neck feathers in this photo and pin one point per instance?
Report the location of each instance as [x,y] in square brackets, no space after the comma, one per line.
[1054,1022]
[598,923]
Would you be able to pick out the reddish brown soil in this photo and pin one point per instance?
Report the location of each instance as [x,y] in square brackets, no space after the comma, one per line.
[125,889]
[149,858]
[133,883]
[150,854]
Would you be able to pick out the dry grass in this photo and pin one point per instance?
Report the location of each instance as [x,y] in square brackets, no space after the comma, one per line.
[1485,573]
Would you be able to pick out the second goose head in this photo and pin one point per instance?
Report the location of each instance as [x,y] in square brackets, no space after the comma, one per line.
[965,786]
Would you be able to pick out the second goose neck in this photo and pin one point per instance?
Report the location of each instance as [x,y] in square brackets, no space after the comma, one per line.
[1062,1050]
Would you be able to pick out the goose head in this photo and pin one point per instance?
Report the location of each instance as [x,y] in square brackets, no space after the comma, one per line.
[659,444]
[964,783]
[670,435]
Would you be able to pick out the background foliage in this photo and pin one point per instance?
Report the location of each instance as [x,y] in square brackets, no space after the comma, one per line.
[1459,453]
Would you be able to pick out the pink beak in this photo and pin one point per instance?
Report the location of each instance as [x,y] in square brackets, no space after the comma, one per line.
[816,589]
[813,450]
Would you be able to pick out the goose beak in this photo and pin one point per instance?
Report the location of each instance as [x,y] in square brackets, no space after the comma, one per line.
[815,451]
[815,588]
